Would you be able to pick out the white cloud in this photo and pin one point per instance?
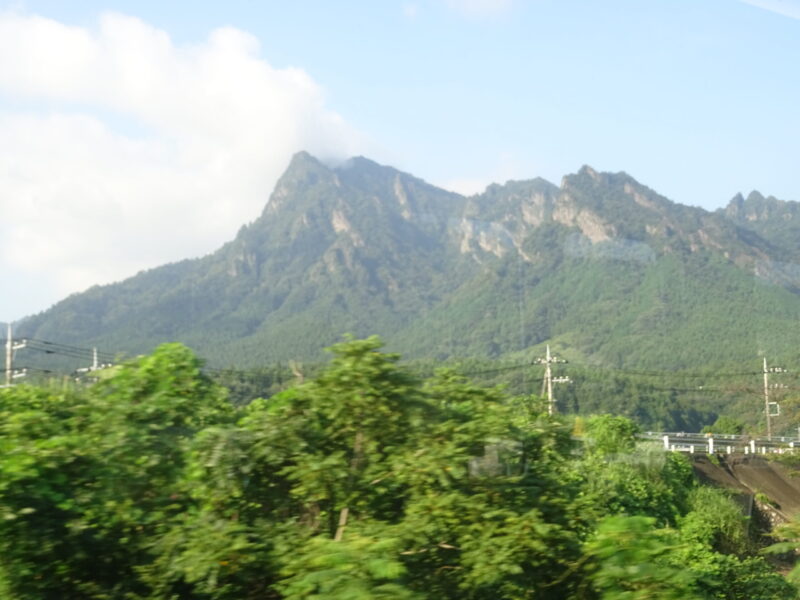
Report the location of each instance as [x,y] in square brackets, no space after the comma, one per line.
[410,11]
[507,167]
[466,186]
[480,8]
[146,151]
[787,8]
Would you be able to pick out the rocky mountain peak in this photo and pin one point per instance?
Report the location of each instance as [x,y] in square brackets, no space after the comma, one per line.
[587,171]
[737,202]
[361,163]
[366,248]
[302,165]
[758,208]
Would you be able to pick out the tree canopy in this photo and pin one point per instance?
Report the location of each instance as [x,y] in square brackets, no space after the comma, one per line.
[363,482]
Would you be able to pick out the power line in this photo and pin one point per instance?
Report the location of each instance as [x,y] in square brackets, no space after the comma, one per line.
[499,369]
[50,348]
[687,375]
[586,374]
[58,348]
[24,369]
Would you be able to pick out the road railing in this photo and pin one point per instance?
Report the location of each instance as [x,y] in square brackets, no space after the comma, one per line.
[714,443]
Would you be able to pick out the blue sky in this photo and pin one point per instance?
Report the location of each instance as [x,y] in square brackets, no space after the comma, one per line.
[697,99]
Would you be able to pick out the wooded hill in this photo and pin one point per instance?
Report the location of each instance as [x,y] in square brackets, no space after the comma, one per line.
[604,269]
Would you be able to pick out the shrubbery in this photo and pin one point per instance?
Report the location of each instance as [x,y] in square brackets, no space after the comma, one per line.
[365,482]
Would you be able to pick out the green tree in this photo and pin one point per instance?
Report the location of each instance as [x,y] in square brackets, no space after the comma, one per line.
[609,434]
[89,477]
[725,425]
[619,476]
[364,482]
[308,465]
[628,559]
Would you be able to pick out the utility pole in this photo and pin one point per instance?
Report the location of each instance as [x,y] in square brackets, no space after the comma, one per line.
[95,364]
[9,353]
[549,380]
[767,404]
[11,374]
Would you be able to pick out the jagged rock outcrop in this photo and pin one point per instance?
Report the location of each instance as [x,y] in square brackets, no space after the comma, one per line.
[602,265]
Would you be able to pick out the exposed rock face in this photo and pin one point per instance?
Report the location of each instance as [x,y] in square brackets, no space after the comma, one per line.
[600,261]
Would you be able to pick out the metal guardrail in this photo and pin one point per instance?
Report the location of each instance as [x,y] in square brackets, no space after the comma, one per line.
[722,443]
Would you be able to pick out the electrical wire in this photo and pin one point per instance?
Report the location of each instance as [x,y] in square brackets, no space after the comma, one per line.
[56,347]
[82,353]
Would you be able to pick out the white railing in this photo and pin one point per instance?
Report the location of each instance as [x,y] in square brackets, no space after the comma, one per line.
[722,443]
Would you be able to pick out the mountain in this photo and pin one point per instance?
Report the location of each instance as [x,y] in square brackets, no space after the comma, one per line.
[773,219]
[600,266]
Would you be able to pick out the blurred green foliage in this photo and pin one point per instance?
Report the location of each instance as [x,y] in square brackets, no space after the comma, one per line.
[365,481]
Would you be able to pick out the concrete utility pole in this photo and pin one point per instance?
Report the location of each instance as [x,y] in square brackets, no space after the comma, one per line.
[549,380]
[9,352]
[96,364]
[766,399]
[11,374]
[767,404]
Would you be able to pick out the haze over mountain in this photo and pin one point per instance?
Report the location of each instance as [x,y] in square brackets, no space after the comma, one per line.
[600,266]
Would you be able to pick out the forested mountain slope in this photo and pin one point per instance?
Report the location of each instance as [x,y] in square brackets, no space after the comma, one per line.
[601,267]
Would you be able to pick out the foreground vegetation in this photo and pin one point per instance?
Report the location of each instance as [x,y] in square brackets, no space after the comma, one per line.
[365,482]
